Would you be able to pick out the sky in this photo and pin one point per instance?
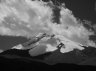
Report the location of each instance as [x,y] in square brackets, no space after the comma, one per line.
[83,9]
